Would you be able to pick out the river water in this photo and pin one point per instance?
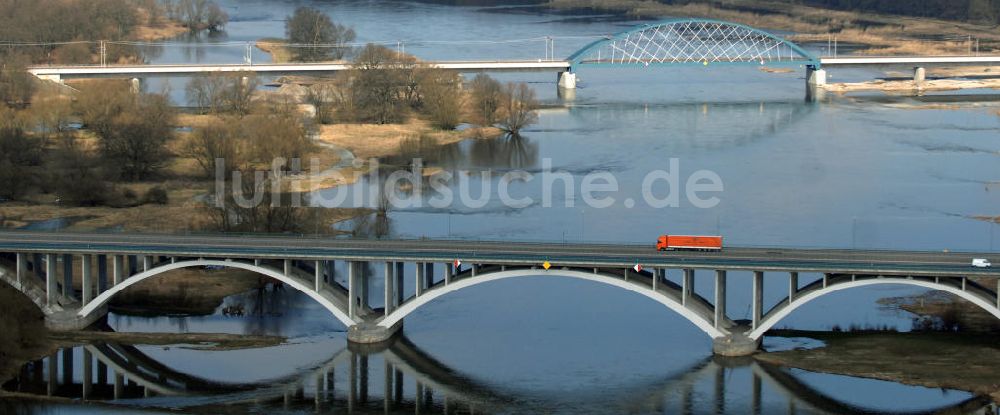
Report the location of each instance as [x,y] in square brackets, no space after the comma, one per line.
[859,171]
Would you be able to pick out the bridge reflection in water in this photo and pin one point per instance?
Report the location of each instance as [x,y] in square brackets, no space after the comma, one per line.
[401,378]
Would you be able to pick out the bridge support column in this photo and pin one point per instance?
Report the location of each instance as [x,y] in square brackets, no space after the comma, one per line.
[758,297]
[998,293]
[117,268]
[102,273]
[88,362]
[318,274]
[86,285]
[37,264]
[119,385]
[390,292]
[815,77]
[429,274]
[22,268]
[420,279]
[352,289]
[50,279]
[136,85]
[133,266]
[720,297]
[331,271]
[567,80]
[400,282]
[447,274]
[793,286]
[364,284]
[688,287]
[67,286]
[919,75]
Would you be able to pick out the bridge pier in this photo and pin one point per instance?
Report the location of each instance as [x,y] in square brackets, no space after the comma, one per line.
[919,75]
[815,77]
[567,80]
[735,344]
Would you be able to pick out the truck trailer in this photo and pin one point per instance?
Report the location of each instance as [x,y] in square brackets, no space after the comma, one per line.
[689,243]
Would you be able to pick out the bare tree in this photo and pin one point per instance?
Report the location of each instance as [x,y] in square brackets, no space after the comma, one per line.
[134,144]
[218,140]
[517,108]
[377,77]
[442,98]
[487,94]
[318,36]
[223,93]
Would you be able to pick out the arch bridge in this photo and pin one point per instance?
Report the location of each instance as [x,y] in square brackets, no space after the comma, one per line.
[340,274]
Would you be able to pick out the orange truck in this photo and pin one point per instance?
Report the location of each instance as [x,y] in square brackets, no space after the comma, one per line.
[689,243]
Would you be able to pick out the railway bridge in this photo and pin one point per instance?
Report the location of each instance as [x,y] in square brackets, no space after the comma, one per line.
[673,42]
[387,280]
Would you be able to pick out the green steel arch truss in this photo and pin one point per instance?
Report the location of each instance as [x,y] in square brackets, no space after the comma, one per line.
[693,42]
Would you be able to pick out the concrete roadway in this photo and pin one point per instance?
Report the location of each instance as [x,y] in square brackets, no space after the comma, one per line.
[869,262]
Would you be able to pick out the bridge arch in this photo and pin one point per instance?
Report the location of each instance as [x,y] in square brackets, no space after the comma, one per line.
[785,308]
[703,322]
[291,281]
[692,41]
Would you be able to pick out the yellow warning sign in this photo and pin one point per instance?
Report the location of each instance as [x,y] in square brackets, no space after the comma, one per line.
[547,265]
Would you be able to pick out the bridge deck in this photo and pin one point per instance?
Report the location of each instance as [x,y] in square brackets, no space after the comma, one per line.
[913,263]
[94,71]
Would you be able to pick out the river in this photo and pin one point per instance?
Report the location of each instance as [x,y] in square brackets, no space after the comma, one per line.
[856,171]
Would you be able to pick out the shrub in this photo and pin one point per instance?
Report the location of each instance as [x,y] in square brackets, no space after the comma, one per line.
[157,195]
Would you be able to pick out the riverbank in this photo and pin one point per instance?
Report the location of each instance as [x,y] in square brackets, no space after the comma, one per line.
[876,34]
[962,361]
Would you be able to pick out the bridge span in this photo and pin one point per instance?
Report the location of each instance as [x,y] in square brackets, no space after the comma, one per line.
[434,268]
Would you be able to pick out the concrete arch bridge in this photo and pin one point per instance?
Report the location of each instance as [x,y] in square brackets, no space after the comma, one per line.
[414,273]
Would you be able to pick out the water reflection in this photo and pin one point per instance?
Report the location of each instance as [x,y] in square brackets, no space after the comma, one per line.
[401,378]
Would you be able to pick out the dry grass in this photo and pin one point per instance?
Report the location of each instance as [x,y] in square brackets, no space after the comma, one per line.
[275,47]
[375,140]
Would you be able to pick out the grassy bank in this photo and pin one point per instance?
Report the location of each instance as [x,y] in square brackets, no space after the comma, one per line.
[937,360]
